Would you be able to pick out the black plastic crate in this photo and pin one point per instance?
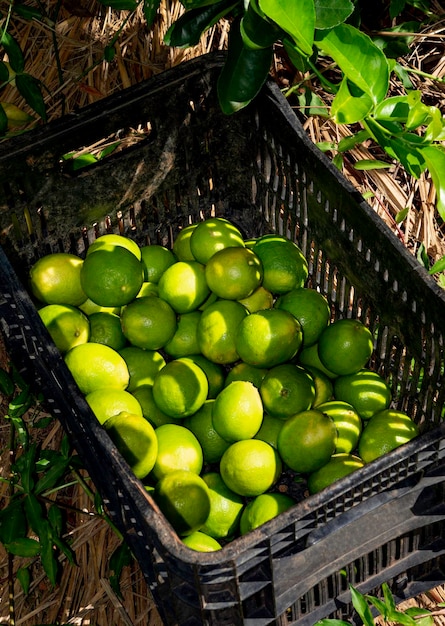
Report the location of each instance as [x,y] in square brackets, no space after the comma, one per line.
[383,523]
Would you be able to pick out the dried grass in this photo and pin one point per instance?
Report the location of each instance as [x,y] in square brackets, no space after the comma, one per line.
[67,55]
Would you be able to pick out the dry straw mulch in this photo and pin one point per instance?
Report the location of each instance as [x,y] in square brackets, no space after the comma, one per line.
[67,55]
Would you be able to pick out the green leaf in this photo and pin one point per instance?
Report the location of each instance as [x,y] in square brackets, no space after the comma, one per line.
[34,514]
[389,599]
[439,266]
[395,108]
[83,161]
[20,404]
[402,147]
[25,547]
[311,104]
[29,88]
[361,606]
[16,116]
[109,53]
[15,54]
[25,465]
[326,146]
[120,558]
[65,549]
[257,31]
[295,18]
[52,475]
[401,215]
[347,108]
[422,256]
[330,13]
[12,522]
[120,5]
[435,131]
[419,113]
[27,12]
[371,164]
[55,518]
[24,578]
[4,72]
[243,74]
[435,161]
[396,7]
[297,59]
[150,10]
[358,58]
[395,47]
[338,161]
[379,605]
[441,280]
[416,612]
[187,29]
[402,73]
[48,558]
[347,143]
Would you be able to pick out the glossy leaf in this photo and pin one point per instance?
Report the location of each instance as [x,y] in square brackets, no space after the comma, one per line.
[419,113]
[395,108]
[358,58]
[417,612]
[330,13]
[15,54]
[435,131]
[243,74]
[25,547]
[187,29]
[295,18]
[120,5]
[30,89]
[371,164]
[258,32]
[361,606]
[347,108]
[435,161]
